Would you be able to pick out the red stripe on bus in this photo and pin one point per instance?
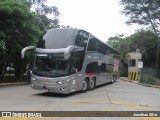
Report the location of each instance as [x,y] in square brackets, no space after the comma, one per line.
[90,74]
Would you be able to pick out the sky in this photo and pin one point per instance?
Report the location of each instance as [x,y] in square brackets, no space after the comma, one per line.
[102,18]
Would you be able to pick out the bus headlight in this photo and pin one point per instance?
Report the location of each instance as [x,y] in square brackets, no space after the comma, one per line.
[63,82]
[33,79]
[60,82]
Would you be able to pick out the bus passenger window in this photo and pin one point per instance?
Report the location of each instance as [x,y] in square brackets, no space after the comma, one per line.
[76,62]
[92,44]
[81,39]
[103,67]
[92,67]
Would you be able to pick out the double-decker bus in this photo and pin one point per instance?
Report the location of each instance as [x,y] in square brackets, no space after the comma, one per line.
[69,60]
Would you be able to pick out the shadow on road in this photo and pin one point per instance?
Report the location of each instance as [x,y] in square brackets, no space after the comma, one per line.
[50,94]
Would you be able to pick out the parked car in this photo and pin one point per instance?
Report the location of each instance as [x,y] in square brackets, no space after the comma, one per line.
[10,70]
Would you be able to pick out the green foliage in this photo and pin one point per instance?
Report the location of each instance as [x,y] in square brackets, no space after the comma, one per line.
[149,76]
[143,12]
[2,35]
[121,44]
[42,11]
[115,41]
[144,40]
[20,27]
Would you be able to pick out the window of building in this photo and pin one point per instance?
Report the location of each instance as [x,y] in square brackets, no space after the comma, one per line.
[132,63]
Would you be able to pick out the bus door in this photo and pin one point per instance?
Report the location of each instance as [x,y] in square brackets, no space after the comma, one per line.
[109,70]
[109,73]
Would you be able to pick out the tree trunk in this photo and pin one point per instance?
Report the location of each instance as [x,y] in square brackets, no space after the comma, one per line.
[18,70]
[157,56]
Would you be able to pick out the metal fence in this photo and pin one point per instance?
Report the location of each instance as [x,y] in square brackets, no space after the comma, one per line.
[150,76]
[11,78]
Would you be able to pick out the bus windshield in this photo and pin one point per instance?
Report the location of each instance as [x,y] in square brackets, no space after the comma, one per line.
[57,38]
[51,65]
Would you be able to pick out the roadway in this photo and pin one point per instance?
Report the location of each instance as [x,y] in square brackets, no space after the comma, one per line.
[120,96]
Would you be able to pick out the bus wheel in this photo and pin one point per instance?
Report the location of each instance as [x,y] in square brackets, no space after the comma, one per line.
[92,83]
[85,85]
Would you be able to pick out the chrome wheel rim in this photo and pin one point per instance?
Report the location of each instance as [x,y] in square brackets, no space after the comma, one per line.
[92,83]
[84,85]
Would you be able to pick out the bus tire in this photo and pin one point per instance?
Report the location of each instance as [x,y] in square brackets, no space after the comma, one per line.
[92,83]
[85,85]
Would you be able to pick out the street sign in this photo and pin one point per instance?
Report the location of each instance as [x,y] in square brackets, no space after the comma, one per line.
[140,64]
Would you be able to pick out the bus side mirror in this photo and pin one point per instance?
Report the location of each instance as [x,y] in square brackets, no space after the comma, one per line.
[73,70]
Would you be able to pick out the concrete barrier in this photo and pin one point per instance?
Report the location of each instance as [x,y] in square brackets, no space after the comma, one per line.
[133,76]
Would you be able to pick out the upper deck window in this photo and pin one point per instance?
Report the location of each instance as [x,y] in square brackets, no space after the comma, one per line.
[57,38]
[81,38]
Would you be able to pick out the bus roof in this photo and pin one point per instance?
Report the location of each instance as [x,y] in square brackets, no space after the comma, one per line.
[115,51]
[67,39]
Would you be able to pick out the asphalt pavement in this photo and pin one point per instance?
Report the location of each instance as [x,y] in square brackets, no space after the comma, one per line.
[120,96]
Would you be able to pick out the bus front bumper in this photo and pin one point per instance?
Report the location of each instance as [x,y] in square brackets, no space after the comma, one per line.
[62,89]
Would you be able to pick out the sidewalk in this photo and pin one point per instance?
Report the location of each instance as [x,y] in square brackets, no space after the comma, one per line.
[13,83]
[137,82]
[126,79]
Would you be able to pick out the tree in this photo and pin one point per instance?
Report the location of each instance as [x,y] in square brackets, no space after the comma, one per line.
[120,44]
[144,40]
[21,27]
[42,11]
[18,29]
[115,41]
[144,12]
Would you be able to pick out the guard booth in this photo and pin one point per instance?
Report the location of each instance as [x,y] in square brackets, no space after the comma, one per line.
[134,65]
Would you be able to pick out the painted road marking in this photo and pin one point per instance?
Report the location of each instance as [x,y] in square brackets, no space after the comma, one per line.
[88,101]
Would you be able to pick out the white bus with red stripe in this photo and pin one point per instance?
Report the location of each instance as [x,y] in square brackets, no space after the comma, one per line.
[69,60]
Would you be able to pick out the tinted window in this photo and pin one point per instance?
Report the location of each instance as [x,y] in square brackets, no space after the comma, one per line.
[96,45]
[57,38]
[111,62]
[92,67]
[103,67]
[92,44]
[51,65]
[81,38]
[77,59]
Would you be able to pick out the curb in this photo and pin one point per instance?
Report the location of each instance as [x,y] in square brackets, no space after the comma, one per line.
[148,85]
[132,81]
[14,83]
[136,82]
